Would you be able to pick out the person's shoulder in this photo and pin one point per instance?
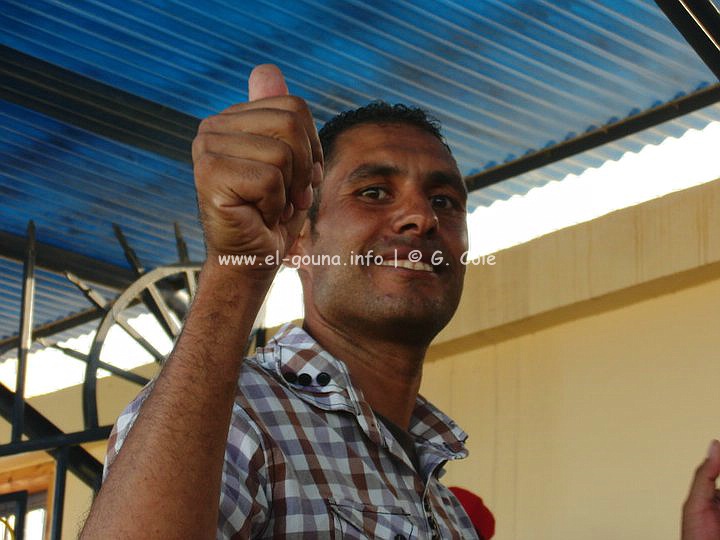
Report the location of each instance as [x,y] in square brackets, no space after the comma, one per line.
[257,375]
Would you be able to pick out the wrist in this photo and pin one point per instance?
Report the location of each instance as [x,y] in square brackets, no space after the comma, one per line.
[220,320]
[235,269]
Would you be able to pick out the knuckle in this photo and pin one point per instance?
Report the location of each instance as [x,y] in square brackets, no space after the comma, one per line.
[207,124]
[199,144]
[289,121]
[297,104]
[274,179]
[283,156]
[204,165]
[274,152]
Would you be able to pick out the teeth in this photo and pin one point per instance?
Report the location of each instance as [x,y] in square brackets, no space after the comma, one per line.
[409,265]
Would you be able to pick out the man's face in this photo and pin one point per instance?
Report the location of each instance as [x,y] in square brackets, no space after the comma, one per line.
[389,189]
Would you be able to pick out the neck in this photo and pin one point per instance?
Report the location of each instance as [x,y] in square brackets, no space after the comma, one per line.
[387,372]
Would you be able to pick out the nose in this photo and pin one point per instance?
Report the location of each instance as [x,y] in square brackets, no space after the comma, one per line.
[416,216]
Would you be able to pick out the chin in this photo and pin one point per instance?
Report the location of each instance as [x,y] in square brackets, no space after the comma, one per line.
[417,322]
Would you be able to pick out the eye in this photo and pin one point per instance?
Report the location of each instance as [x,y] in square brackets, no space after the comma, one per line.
[374,192]
[442,202]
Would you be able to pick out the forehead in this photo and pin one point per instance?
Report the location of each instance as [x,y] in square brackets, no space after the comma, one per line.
[390,141]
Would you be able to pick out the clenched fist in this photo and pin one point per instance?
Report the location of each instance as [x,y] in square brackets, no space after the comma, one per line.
[255,166]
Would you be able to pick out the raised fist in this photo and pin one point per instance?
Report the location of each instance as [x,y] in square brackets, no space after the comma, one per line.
[255,166]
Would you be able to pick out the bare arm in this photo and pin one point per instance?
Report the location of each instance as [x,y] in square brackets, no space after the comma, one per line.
[253,169]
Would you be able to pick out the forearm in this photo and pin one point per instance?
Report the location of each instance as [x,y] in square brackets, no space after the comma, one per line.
[165,482]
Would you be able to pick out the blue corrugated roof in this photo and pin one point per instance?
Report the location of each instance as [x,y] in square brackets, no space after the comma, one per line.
[75,184]
[505,77]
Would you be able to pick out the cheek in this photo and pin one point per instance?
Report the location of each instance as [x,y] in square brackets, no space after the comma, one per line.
[456,238]
[347,229]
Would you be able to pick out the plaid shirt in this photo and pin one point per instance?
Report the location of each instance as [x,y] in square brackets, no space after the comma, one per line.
[307,458]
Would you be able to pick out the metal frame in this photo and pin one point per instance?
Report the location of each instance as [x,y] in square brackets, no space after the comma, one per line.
[61,466]
[147,288]
[699,23]
[26,317]
[20,498]
[42,433]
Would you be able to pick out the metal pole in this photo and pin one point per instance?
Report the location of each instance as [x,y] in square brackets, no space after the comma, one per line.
[26,317]
[20,515]
[59,493]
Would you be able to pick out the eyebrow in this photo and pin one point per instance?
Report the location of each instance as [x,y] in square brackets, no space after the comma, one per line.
[372,170]
[450,179]
[436,178]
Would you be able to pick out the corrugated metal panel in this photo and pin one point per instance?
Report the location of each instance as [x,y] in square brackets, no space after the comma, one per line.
[75,184]
[505,77]
[521,184]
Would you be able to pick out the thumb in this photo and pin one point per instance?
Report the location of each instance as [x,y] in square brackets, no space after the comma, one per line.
[266,80]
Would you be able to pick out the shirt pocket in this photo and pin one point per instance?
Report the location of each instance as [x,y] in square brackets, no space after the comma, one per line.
[355,520]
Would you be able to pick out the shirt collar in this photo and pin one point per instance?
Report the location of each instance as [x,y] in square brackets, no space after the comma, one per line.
[316,376]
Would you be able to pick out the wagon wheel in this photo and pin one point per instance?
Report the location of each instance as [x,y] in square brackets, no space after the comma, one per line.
[165,292]
[160,285]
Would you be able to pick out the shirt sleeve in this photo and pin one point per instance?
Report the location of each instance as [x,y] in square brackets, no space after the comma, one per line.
[244,495]
[122,427]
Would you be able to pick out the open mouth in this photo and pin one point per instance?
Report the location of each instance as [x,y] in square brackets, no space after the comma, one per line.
[409,265]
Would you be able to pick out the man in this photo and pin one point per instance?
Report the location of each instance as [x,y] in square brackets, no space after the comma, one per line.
[327,434]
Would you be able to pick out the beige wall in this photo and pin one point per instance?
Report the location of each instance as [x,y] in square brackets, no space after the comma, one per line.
[585,367]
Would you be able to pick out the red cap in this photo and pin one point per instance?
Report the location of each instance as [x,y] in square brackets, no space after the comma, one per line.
[481,517]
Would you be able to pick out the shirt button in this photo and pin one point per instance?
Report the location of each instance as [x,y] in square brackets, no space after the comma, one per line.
[304,379]
[323,378]
[290,376]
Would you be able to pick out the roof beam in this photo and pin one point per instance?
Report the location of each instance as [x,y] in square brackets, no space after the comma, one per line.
[633,124]
[94,106]
[699,23]
[55,327]
[60,260]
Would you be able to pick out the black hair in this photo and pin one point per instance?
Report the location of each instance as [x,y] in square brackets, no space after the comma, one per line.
[375,112]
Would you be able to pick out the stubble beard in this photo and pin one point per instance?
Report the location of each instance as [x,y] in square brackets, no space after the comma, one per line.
[353,301]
